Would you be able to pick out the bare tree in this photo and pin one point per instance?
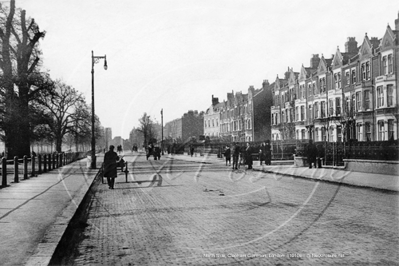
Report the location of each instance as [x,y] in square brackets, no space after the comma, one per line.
[19,63]
[147,128]
[65,108]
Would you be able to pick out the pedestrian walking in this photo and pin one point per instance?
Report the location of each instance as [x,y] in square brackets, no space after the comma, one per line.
[157,153]
[119,149]
[248,156]
[111,160]
[150,150]
[227,155]
[268,153]
[262,153]
[311,154]
[191,150]
[236,156]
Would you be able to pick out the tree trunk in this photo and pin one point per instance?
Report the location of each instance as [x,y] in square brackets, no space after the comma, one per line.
[58,144]
[17,133]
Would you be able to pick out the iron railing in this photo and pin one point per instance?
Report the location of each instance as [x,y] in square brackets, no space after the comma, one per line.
[32,166]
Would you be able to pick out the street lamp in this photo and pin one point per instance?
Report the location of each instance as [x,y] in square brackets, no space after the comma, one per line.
[94,60]
[162,130]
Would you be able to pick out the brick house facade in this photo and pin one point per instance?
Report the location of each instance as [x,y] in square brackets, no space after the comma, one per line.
[182,129]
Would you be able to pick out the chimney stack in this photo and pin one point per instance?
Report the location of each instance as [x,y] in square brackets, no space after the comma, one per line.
[351,45]
[314,61]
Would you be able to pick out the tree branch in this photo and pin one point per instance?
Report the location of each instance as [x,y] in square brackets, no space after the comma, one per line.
[31,24]
[15,34]
[34,64]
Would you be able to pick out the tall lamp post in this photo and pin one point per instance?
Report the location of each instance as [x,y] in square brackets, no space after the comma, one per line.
[162,130]
[94,60]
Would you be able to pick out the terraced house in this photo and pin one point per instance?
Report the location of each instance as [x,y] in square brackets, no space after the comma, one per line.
[246,117]
[212,119]
[351,96]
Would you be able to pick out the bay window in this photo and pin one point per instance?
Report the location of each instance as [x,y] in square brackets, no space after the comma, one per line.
[353,75]
[358,101]
[367,131]
[390,129]
[380,97]
[366,100]
[384,65]
[337,106]
[323,109]
[381,130]
[330,107]
[390,95]
[390,64]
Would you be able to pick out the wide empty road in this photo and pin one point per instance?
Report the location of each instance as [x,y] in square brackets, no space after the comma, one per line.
[207,214]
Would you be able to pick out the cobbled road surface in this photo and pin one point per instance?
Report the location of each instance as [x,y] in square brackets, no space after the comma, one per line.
[208,214]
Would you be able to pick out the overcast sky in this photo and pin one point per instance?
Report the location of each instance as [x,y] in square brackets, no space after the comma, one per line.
[176,54]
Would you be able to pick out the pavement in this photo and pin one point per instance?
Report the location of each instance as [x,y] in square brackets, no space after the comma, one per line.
[35,213]
[330,174]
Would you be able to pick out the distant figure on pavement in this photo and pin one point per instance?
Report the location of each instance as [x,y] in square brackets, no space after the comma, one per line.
[157,153]
[262,155]
[311,154]
[119,149]
[227,155]
[150,150]
[111,159]
[191,150]
[236,156]
[248,156]
[268,153]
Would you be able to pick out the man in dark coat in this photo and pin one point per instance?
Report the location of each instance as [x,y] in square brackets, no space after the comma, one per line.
[111,159]
[191,150]
[311,154]
[262,155]
[268,153]
[157,153]
[248,156]
[236,156]
[150,150]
